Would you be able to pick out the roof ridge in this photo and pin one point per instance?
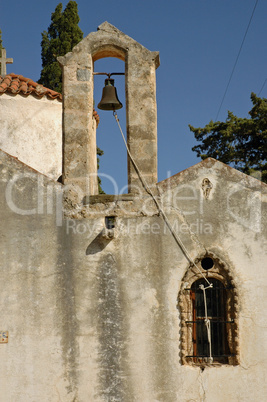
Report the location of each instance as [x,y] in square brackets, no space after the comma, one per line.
[16,83]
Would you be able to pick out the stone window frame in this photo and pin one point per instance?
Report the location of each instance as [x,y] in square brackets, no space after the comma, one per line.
[222,272]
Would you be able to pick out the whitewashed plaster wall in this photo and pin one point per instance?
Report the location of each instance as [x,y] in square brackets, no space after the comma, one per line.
[31,130]
[96,319]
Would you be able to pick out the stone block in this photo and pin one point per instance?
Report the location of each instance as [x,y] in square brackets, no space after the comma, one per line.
[83,74]
[77,101]
[77,87]
[76,135]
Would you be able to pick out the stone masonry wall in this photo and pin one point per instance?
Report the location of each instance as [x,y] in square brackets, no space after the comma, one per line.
[93,317]
[79,153]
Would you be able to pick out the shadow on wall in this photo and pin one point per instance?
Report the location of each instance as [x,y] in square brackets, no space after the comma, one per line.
[98,244]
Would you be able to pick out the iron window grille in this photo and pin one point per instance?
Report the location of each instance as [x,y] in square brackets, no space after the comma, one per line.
[222,313]
[216,311]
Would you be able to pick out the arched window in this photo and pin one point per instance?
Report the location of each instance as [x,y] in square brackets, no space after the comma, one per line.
[208,314]
[216,314]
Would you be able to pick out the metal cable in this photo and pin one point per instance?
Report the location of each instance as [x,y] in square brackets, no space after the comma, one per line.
[231,75]
[149,191]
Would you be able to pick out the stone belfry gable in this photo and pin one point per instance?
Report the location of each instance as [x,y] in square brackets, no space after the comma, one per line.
[99,304]
[79,159]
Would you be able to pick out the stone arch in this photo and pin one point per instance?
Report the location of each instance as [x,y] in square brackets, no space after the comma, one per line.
[109,50]
[222,272]
[79,136]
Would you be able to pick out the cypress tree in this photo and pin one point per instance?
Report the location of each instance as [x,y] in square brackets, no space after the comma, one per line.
[62,35]
[1,43]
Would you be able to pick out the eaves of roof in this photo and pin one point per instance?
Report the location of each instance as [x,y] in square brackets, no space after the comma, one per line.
[17,84]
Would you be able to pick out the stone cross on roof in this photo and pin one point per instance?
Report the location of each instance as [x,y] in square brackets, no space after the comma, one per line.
[4,61]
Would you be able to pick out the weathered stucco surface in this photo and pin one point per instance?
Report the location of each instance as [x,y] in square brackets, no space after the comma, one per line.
[96,319]
[31,130]
[92,311]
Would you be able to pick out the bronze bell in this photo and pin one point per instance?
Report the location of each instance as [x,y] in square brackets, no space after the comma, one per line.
[109,99]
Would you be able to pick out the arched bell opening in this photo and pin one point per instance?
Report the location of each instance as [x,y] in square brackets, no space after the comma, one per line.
[79,128]
[113,163]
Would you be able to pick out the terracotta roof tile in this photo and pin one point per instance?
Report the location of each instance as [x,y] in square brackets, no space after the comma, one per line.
[16,84]
[96,116]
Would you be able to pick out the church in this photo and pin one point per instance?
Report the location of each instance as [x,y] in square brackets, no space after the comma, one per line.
[153,295]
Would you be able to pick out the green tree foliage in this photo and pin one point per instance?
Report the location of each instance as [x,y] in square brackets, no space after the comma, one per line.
[99,153]
[62,35]
[241,142]
[1,43]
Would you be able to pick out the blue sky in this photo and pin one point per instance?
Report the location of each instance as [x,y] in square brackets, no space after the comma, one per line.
[198,41]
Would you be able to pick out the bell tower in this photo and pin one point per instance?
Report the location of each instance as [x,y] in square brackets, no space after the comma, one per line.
[79,131]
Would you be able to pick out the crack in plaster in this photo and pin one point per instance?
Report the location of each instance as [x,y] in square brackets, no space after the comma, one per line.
[255,324]
[193,235]
[34,273]
[200,381]
[262,362]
